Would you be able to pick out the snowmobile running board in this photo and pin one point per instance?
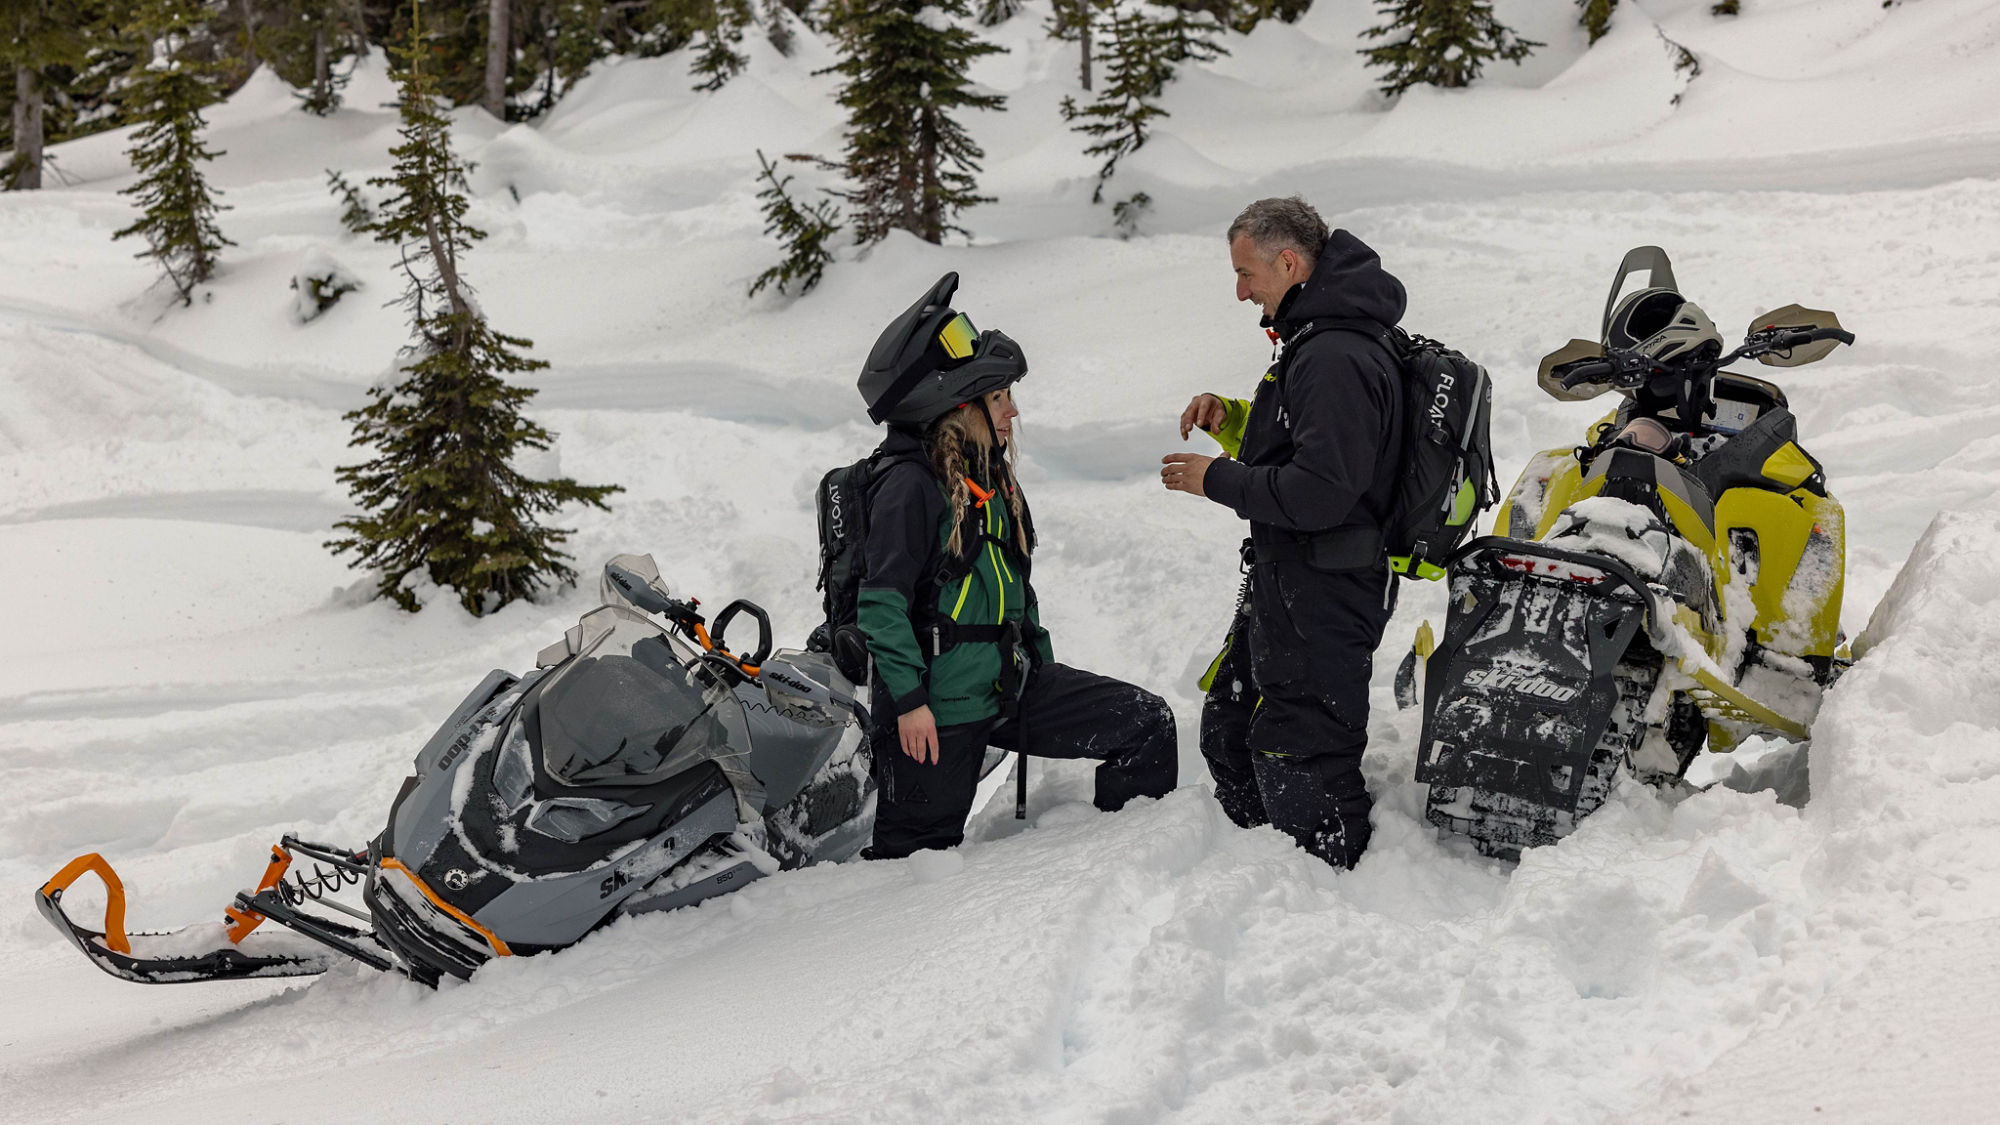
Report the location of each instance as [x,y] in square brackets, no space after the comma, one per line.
[1718,700]
[173,958]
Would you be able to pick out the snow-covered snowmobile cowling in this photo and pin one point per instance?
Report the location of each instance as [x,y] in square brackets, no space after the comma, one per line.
[638,767]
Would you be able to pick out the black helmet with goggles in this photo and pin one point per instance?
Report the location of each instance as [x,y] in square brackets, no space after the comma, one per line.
[931,360]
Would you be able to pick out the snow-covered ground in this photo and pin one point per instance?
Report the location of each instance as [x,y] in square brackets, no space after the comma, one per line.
[187,674]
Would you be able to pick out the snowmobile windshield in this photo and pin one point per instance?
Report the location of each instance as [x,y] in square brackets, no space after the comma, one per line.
[634,706]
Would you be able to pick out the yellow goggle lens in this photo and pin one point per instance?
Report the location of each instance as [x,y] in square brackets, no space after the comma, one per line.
[958,337]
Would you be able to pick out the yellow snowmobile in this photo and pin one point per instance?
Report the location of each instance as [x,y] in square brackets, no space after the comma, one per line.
[1673,582]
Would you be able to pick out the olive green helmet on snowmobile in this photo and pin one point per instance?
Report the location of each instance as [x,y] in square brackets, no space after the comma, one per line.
[930,360]
[1657,322]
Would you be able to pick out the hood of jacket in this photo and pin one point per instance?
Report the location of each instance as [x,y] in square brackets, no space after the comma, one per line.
[1348,282]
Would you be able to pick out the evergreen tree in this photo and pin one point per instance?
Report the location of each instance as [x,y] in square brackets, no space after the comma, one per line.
[355,214]
[910,159]
[804,231]
[1144,45]
[167,96]
[305,41]
[1596,18]
[1440,43]
[442,495]
[1244,15]
[40,40]
[778,26]
[1734,8]
[993,13]
[567,37]
[716,58]
[1075,21]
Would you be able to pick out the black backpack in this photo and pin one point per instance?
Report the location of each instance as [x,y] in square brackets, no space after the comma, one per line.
[1447,460]
[842,503]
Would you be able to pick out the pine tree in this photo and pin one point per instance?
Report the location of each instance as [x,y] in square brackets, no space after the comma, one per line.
[566,37]
[1440,42]
[716,58]
[305,41]
[778,26]
[1596,18]
[804,231]
[910,159]
[1144,46]
[993,13]
[442,496]
[41,43]
[167,96]
[1733,8]
[1075,21]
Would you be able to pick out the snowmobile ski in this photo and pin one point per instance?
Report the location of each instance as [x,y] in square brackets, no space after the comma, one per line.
[194,953]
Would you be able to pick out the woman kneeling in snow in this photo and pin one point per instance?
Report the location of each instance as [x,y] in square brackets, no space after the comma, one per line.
[961,659]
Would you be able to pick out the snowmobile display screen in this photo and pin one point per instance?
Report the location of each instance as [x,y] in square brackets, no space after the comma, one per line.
[1729,416]
[631,708]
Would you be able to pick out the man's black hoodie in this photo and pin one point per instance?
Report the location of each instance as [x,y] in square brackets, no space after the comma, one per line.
[1321,447]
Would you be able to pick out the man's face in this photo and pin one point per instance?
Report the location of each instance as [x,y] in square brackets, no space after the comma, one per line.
[1263,277]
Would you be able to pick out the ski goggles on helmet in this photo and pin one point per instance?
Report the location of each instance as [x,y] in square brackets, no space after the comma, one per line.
[958,337]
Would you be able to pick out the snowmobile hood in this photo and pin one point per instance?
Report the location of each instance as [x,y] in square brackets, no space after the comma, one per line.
[1348,282]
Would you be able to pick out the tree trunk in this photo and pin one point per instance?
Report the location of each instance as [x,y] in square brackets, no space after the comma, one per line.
[249,40]
[322,92]
[27,130]
[1083,38]
[499,53]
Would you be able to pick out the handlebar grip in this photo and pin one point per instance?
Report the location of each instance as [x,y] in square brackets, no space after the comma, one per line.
[1586,371]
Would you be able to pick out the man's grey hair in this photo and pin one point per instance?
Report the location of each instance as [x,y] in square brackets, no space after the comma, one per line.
[1281,224]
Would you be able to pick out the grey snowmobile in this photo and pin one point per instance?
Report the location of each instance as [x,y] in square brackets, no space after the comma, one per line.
[640,766]
[1673,583]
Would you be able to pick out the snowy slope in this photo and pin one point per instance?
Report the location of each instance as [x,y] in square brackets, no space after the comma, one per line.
[188,674]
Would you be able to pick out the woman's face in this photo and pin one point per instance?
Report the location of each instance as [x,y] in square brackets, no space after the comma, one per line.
[1000,407]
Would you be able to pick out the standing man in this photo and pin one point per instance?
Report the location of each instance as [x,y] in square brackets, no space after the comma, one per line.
[1313,466]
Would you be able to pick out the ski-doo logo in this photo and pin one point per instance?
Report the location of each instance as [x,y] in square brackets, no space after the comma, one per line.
[1522,683]
[611,883]
[1441,401]
[457,747]
[787,681]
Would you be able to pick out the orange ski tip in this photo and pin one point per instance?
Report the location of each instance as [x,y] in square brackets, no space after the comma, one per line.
[114,895]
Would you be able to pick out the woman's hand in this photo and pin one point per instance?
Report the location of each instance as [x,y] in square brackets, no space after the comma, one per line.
[1206,411]
[918,731]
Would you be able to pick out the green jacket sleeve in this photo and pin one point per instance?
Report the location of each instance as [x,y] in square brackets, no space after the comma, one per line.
[884,617]
[1038,637]
[1236,416]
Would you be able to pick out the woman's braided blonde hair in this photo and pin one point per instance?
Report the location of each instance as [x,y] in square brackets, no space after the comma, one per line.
[956,440]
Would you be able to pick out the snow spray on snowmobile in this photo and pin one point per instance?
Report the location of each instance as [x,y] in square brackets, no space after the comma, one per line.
[1673,582]
[641,766]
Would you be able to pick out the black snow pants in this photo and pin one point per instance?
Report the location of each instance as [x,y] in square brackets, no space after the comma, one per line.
[1065,713]
[1286,717]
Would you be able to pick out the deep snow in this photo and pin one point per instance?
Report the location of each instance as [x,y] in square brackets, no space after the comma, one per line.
[188,674]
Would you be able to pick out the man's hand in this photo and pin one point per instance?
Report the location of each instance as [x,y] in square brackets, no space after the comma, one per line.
[1184,472]
[918,731]
[1204,410]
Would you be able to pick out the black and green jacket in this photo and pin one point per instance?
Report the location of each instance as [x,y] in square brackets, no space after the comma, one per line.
[908,585]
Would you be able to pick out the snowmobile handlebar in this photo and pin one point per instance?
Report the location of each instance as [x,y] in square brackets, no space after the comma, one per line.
[1629,369]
